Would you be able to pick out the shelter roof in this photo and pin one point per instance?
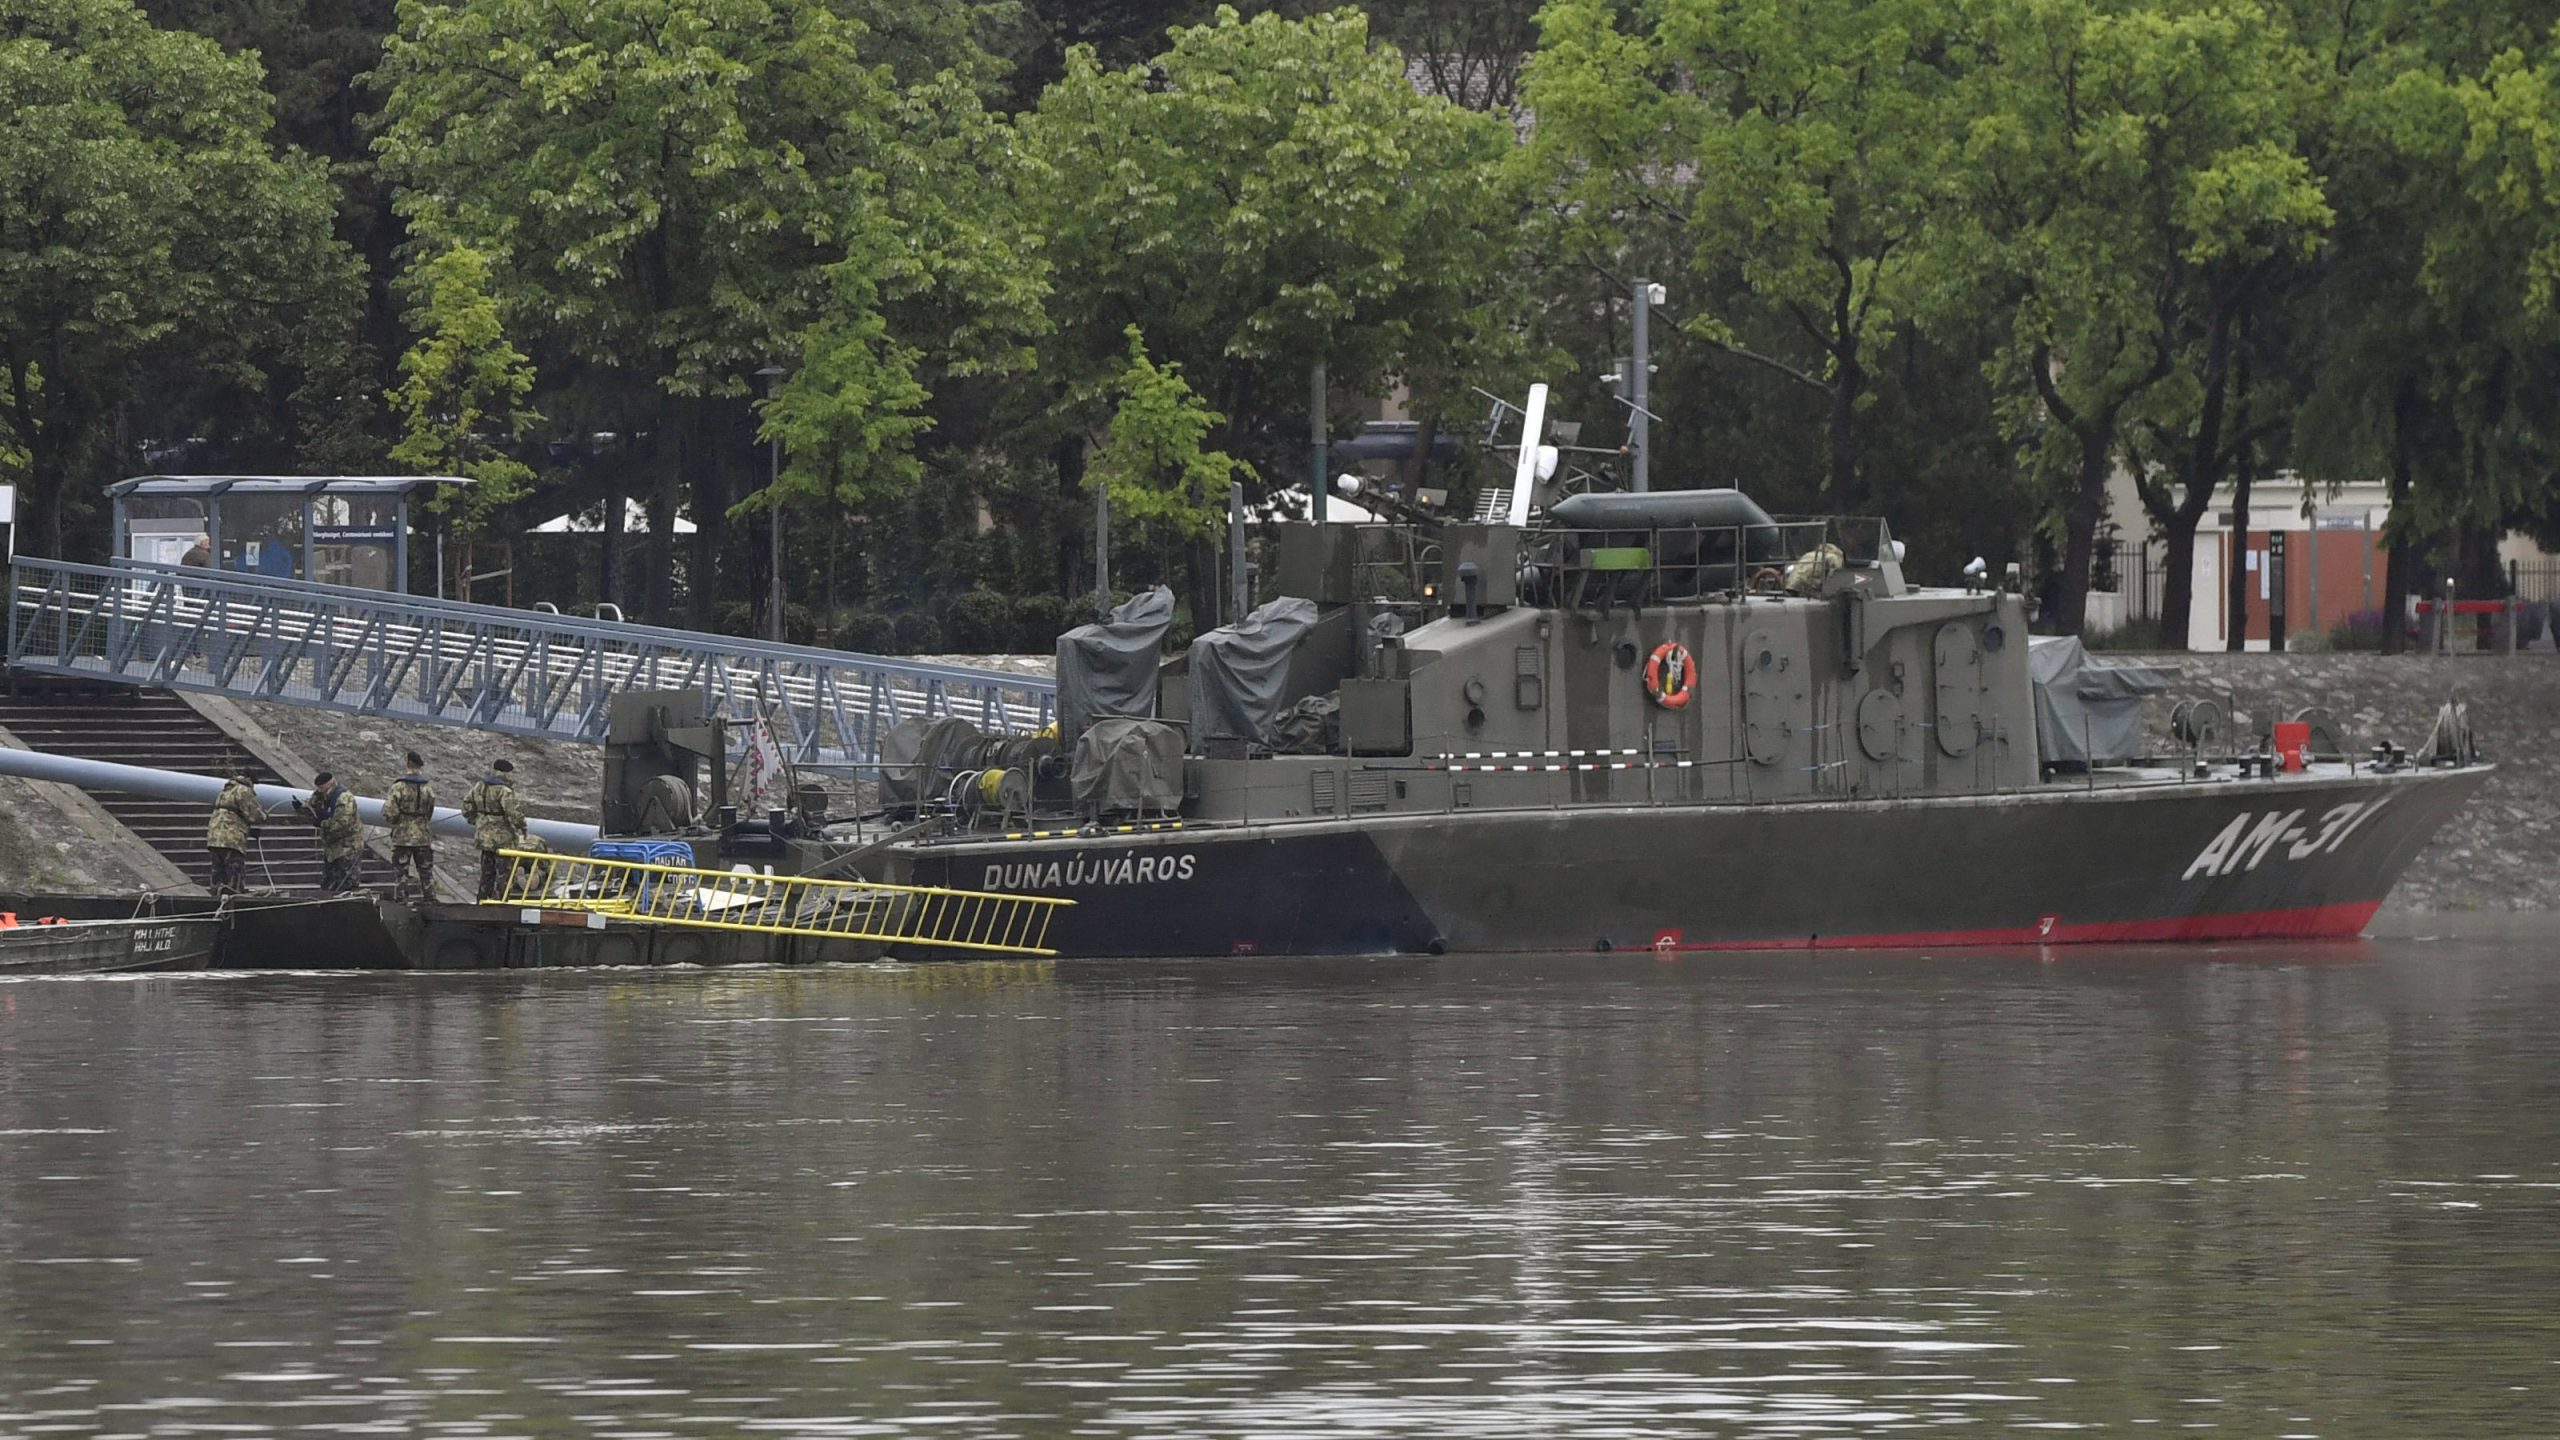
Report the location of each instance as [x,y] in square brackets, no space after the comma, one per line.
[207,486]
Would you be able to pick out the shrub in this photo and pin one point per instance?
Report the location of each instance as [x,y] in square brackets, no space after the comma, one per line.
[1038,621]
[918,634]
[867,631]
[980,622]
[2361,630]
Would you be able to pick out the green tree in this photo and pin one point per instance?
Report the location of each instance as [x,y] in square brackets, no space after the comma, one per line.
[1793,151]
[143,215]
[2431,334]
[1152,464]
[1265,194]
[669,190]
[463,385]
[2124,170]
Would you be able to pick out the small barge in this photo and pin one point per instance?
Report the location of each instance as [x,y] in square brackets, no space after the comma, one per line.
[55,944]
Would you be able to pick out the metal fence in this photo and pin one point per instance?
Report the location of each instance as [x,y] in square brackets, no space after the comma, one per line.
[445,662]
[2535,582]
[2137,572]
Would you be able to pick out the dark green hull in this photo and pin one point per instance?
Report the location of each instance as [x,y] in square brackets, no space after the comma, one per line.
[2302,857]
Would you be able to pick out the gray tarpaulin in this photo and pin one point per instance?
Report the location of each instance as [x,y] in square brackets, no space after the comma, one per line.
[1110,668]
[919,753]
[1239,671]
[2088,712]
[1127,764]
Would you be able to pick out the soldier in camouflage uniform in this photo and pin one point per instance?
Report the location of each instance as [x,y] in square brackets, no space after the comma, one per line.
[410,810]
[497,821]
[333,812]
[236,816]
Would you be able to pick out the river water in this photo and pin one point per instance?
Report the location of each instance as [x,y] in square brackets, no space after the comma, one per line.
[2270,1192]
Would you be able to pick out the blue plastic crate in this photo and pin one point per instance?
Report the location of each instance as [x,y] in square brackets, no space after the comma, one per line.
[641,852]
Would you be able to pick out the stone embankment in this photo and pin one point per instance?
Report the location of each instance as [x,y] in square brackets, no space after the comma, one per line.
[2503,851]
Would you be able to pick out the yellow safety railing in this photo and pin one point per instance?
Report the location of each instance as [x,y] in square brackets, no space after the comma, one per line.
[781,904]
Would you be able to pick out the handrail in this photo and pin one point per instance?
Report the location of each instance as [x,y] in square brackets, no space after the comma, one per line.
[488,667]
[209,581]
[739,902]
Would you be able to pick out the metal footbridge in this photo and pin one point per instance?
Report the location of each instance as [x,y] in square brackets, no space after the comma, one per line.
[487,667]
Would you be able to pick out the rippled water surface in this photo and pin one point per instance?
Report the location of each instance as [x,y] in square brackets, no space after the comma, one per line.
[2267,1192]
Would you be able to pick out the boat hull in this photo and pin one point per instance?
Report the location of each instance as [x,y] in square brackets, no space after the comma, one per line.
[2298,857]
[102,947]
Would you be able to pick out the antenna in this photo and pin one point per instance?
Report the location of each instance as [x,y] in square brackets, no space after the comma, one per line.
[1524,479]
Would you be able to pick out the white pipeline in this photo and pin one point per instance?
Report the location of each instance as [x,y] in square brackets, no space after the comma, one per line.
[202,789]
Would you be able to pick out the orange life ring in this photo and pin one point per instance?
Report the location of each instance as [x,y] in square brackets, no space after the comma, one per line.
[1668,674]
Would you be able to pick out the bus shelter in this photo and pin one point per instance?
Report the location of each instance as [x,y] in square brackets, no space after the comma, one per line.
[336,529]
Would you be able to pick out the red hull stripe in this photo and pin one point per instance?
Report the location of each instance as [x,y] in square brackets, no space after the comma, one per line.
[2310,922]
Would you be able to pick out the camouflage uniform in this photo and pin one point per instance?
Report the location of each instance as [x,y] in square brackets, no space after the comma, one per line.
[333,812]
[410,810]
[497,822]
[236,815]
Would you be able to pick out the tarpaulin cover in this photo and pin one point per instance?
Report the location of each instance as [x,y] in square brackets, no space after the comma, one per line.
[1239,671]
[2088,712]
[919,754]
[1110,668]
[1313,726]
[1128,764]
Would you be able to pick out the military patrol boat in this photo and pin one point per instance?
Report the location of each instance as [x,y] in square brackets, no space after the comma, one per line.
[1613,720]
[1666,720]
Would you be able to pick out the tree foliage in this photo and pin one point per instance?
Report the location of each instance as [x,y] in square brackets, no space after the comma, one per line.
[2127,173]
[463,387]
[1152,464]
[144,216]
[1265,193]
[1968,263]
[680,192]
[1794,149]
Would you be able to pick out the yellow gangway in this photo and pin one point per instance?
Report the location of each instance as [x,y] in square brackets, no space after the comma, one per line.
[754,904]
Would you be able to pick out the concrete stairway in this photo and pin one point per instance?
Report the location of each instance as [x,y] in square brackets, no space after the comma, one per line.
[155,728]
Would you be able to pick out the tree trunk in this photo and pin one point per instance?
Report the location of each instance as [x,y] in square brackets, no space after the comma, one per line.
[40,500]
[609,569]
[728,442]
[835,548]
[1418,469]
[2477,570]
[674,445]
[1848,495]
[40,508]
[2203,475]
[1203,568]
[2080,535]
[1073,506]
[2177,592]
[2395,573]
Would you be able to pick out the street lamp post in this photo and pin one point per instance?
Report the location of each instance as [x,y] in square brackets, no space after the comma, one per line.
[772,377]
